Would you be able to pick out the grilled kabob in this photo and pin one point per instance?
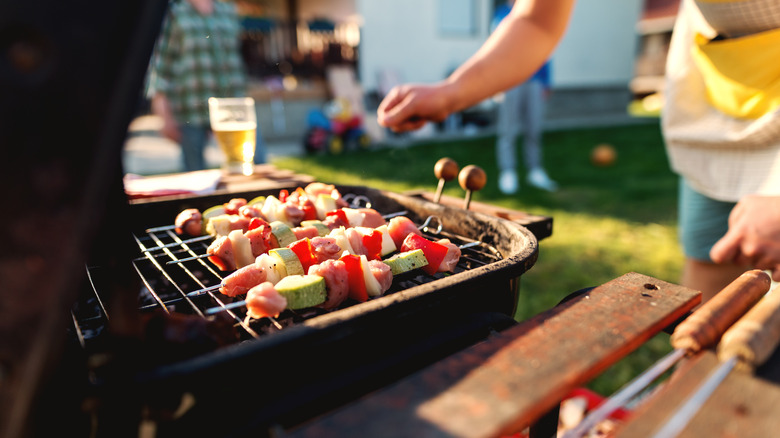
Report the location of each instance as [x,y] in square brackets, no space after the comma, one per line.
[324,271]
[309,203]
[279,281]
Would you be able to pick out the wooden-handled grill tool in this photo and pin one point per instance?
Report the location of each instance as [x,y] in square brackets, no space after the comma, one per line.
[702,329]
[744,347]
[472,178]
[446,169]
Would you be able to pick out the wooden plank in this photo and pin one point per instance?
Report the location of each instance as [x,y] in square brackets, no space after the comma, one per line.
[266,177]
[742,406]
[509,381]
[540,226]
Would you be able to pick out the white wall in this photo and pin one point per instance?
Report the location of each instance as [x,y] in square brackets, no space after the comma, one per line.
[600,44]
[597,49]
[403,35]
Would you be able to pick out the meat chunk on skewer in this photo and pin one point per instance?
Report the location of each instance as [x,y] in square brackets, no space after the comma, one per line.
[452,256]
[371,218]
[189,221]
[259,239]
[399,227]
[383,274]
[221,253]
[325,248]
[336,281]
[264,300]
[244,279]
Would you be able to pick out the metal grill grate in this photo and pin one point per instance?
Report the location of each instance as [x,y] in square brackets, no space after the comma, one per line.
[176,278]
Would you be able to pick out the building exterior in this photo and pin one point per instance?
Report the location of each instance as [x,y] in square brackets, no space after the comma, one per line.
[389,42]
[423,40]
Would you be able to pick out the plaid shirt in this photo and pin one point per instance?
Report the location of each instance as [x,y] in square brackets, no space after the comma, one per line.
[198,57]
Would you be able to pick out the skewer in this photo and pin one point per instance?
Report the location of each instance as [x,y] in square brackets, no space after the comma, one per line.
[427,223]
[744,347]
[203,291]
[357,201]
[171,245]
[702,329]
[203,256]
[471,179]
[241,303]
[445,169]
[162,228]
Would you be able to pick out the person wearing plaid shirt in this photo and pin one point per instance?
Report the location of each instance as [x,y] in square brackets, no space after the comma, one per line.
[197,57]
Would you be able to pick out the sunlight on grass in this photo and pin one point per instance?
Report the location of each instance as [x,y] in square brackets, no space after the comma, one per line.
[607,221]
[586,250]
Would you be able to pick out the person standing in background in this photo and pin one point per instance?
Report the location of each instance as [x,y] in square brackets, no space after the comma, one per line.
[524,106]
[197,56]
[720,122]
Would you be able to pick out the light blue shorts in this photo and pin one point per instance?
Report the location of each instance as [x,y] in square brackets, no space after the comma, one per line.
[703,221]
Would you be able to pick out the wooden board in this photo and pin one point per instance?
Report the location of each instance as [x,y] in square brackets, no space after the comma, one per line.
[266,177]
[511,380]
[741,406]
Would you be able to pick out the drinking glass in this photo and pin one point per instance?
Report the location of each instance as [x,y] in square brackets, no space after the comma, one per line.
[234,123]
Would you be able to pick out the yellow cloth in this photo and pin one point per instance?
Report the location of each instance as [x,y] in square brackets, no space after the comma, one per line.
[741,75]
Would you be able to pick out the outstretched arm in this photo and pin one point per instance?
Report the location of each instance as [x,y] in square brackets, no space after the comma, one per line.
[520,45]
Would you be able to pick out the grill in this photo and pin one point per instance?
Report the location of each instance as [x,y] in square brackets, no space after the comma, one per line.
[199,345]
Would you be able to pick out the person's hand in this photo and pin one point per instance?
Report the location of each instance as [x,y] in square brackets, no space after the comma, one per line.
[753,237]
[409,107]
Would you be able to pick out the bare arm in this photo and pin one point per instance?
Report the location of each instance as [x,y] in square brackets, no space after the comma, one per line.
[519,46]
[161,107]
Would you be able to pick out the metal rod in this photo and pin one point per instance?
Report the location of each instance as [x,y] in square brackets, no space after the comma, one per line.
[235,304]
[187,259]
[680,419]
[702,329]
[172,244]
[625,394]
[205,290]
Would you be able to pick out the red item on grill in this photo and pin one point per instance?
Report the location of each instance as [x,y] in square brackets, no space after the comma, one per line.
[434,252]
[372,242]
[305,252]
[357,282]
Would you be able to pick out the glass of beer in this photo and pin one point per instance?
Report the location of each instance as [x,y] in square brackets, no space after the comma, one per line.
[234,122]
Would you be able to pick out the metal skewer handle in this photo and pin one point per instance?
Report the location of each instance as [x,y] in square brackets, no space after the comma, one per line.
[744,346]
[702,329]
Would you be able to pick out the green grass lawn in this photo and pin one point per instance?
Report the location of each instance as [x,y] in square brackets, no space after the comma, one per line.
[607,221]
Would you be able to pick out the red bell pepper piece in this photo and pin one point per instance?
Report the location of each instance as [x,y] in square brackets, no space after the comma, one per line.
[305,252]
[309,211]
[434,252]
[357,283]
[373,244]
[256,222]
[341,214]
[283,194]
